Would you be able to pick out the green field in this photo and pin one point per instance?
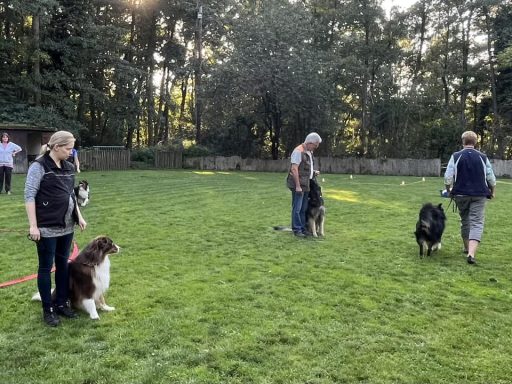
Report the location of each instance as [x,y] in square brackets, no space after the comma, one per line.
[207,292]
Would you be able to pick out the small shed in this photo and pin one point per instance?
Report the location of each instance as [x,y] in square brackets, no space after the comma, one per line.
[30,138]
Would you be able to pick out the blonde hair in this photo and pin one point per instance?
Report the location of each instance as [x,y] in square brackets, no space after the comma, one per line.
[60,138]
[469,138]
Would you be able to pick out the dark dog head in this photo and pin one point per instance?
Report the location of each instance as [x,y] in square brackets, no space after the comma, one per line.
[97,250]
[84,185]
[82,191]
[315,194]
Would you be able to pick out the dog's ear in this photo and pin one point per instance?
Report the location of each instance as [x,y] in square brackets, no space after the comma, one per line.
[440,206]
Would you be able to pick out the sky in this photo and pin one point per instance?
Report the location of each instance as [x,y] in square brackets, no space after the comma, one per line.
[403,4]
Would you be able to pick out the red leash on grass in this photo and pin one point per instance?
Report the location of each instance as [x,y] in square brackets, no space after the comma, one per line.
[73,256]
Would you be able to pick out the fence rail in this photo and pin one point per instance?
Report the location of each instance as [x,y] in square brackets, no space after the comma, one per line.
[403,167]
[118,158]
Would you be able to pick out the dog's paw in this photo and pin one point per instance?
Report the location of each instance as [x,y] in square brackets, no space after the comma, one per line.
[95,316]
[107,308]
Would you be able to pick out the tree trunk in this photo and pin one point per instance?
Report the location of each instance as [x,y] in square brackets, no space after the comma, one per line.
[423,26]
[198,71]
[131,118]
[464,77]
[36,68]
[183,103]
[161,100]
[364,94]
[150,101]
[496,130]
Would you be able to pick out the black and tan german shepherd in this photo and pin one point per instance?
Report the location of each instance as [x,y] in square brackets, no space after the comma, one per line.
[315,214]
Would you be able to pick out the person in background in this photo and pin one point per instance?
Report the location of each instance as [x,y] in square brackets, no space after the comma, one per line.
[470,180]
[301,172]
[8,151]
[52,213]
[73,159]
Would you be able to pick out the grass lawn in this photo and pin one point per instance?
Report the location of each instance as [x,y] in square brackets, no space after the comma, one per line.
[206,292]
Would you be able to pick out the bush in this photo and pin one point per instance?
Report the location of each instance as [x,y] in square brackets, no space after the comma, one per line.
[197,151]
[145,155]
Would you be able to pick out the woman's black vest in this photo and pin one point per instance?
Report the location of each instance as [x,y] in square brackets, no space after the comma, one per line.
[52,199]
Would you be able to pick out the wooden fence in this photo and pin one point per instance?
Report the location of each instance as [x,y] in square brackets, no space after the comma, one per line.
[118,158]
[104,159]
[502,168]
[168,159]
[402,167]
[107,158]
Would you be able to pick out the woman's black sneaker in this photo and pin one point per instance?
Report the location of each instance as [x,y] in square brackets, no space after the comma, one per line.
[66,311]
[50,317]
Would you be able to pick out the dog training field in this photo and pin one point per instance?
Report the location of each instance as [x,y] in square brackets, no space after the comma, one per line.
[207,292]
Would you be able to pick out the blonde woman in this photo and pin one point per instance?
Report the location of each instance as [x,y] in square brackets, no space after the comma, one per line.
[470,180]
[52,213]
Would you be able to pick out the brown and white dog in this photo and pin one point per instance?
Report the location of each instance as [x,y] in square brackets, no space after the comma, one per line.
[89,276]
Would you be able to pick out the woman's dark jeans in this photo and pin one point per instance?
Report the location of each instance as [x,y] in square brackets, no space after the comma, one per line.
[48,250]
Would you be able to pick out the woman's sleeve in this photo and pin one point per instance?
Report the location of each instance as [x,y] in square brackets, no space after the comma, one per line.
[34,177]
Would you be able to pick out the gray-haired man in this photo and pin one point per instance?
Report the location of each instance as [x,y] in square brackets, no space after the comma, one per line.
[301,171]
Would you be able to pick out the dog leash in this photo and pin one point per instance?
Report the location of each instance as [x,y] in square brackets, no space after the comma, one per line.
[7,230]
[72,256]
[454,207]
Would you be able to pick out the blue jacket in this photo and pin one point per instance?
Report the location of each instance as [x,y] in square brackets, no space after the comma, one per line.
[470,172]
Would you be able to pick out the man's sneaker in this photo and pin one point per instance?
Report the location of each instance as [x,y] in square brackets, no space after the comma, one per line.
[50,317]
[471,259]
[299,234]
[66,311]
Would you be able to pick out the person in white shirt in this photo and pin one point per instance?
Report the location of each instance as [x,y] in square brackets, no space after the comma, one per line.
[301,172]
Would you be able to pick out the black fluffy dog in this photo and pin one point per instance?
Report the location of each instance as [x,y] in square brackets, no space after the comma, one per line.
[430,228]
[315,214]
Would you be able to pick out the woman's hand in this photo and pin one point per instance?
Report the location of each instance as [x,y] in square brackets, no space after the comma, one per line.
[82,223]
[34,234]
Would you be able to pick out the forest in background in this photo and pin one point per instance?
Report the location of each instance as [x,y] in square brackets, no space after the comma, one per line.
[253,77]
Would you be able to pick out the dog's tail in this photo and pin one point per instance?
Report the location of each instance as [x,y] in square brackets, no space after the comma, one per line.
[37,296]
[282,228]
